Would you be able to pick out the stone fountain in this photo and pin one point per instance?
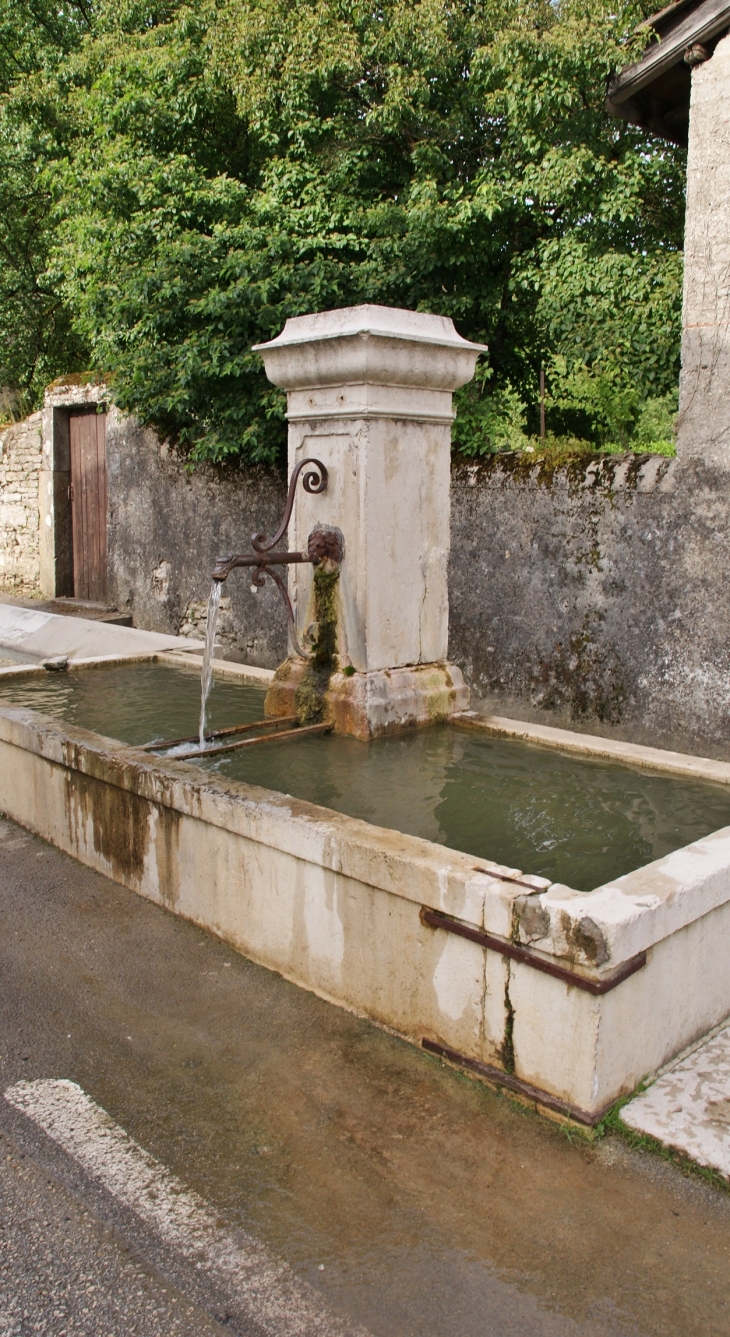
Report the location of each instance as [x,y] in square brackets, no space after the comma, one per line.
[535,986]
[369,395]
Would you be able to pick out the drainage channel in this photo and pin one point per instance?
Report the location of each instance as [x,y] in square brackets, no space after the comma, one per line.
[275,735]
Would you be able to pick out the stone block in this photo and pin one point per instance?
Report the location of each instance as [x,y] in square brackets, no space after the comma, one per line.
[369,705]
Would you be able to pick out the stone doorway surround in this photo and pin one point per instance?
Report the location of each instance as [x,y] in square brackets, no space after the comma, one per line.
[55,538]
[89,502]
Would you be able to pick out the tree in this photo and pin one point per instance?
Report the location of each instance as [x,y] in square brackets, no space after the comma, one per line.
[37,338]
[228,165]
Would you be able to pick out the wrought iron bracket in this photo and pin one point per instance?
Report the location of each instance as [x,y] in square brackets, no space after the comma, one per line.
[322,545]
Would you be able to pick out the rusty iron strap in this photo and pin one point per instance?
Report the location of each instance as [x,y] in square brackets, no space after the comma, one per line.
[434,919]
[314,481]
[219,733]
[509,877]
[511,1083]
[251,742]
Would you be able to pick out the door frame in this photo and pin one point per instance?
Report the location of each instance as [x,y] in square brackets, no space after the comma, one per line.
[89,505]
[55,538]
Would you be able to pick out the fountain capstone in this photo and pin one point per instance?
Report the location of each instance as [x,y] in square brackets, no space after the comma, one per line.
[369,394]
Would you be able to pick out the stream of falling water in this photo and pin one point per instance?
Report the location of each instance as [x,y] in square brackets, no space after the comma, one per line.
[206,676]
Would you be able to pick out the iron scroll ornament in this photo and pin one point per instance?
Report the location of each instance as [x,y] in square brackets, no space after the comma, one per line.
[323,544]
[314,482]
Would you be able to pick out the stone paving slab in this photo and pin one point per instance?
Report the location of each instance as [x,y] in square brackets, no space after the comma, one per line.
[688,1107]
[40,635]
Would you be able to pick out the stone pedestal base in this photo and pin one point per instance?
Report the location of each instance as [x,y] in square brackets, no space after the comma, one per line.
[367,705]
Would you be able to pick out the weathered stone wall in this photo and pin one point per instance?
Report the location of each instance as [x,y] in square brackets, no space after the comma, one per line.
[166,528]
[20,464]
[597,595]
[704,404]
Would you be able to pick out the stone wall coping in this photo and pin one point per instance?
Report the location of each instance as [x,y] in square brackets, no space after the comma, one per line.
[591,745]
[631,913]
[222,668]
[590,930]
[403,865]
[635,912]
[46,635]
[188,659]
[35,669]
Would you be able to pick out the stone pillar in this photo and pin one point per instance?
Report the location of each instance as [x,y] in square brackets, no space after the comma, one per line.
[704,398]
[369,392]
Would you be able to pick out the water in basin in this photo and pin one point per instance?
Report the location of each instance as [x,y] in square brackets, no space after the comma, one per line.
[571,819]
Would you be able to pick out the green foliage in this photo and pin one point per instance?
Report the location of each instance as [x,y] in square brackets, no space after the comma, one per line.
[201,171]
[606,408]
[489,422]
[37,339]
[655,426]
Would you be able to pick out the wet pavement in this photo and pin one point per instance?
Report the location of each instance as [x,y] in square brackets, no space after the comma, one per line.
[688,1107]
[404,1197]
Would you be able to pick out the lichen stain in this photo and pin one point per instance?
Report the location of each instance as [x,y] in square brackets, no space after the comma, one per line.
[578,472]
[584,938]
[530,919]
[118,821]
[165,824]
[582,674]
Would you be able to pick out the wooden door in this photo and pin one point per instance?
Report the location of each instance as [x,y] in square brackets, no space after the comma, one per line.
[87,431]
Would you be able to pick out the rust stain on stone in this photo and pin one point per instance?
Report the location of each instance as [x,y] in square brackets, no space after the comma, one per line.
[116,820]
[167,854]
[118,823]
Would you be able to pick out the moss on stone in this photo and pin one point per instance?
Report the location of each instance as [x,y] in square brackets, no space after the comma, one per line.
[507,1048]
[310,698]
[78,378]
[576,471]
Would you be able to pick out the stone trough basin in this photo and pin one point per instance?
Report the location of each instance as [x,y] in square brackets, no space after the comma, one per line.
[550,911]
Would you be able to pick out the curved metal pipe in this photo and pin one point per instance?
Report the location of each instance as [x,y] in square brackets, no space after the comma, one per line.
[313,482]
[259,580]
[323,545]
[224,565]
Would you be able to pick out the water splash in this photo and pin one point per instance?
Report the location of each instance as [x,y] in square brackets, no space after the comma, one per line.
[206,676]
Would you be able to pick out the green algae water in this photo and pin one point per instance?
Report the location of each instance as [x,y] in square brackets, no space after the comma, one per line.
[571,819]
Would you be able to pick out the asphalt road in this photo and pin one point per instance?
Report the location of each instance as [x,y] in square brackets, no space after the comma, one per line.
[191,1145]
